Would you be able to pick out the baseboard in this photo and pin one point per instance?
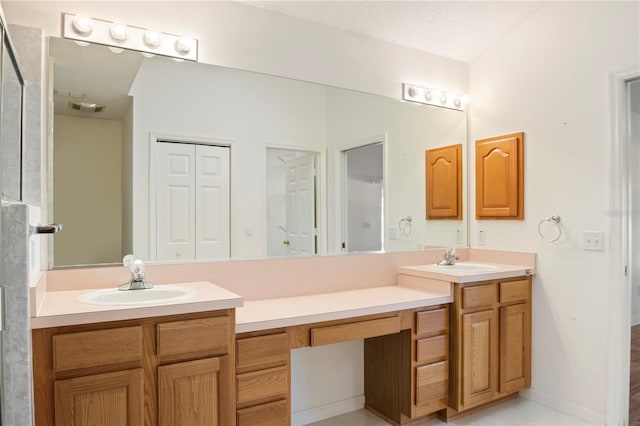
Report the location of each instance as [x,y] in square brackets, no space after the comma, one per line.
[588,415]
[323,412]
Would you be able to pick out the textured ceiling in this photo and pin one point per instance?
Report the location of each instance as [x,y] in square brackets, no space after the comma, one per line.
[456,29]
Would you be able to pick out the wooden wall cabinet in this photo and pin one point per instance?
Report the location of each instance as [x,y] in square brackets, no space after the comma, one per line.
[491,351]
[407,373]
[174,370]
[500,177]
[443,196]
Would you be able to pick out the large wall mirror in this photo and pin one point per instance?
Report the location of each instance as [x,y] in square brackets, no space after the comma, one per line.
[180,161]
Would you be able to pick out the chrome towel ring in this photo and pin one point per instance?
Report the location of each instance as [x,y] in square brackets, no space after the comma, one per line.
[405,226]
[555,220]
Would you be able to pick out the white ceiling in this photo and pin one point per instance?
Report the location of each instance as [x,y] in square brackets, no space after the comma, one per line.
[459,30]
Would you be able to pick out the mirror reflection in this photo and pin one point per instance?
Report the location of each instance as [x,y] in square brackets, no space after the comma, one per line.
[187,161]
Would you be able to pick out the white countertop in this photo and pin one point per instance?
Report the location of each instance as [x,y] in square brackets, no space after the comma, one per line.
[437,272]
[289,311]
[60,308]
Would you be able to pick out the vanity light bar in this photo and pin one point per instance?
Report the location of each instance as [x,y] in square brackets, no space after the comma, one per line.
[435,97]
[121,36]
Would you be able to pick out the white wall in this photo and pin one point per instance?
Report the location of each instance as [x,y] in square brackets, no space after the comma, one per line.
[549,78]
[98,160]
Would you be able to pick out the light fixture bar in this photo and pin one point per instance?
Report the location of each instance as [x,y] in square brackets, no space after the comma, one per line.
[119,35]
[435,97]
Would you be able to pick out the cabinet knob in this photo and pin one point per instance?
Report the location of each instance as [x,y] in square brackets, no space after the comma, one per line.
[286,242]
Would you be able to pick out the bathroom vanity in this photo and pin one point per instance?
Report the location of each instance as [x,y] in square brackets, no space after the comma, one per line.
[436,342]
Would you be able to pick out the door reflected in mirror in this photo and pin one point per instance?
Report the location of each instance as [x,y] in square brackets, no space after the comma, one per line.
[285,140]
[292,202]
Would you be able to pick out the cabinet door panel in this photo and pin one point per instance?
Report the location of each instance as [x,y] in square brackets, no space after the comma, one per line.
[500,177]
[189,393]
[515,348]
[444,182]
[111,399]
[479,357]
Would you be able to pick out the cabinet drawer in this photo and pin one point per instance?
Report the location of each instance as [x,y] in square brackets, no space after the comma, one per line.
[206,335]
[433,321]
[97,348]
[514,290]
[263,385]
[432,349]
[432,382]
[354,330]
[481,295]
[271,414]
[262,351]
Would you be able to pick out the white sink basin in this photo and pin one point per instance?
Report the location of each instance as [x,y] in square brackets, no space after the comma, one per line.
[469,266]
[158,294]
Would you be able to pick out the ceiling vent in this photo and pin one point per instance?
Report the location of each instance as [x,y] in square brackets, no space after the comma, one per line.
[86,107]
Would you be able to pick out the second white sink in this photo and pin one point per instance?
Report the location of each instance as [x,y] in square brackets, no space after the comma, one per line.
[158,294]
[469,266]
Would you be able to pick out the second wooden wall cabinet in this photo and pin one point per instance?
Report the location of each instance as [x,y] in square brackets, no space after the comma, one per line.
[500,177]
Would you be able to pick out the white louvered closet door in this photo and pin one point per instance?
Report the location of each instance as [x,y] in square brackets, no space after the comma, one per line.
[192,204]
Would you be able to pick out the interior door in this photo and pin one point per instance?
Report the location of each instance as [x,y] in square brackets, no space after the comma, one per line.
[212,237]
[363,198]
[175,201]
[300,205]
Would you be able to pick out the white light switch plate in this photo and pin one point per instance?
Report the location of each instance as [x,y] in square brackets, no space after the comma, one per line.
[593,240]
[482,237]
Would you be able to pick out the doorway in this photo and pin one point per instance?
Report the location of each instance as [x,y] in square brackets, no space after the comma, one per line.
[632,93]
[625,200]
[292,181]
[363,198]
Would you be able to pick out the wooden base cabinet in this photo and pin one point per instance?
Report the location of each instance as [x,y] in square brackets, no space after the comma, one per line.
[491,354]
[407,373]
[175,370]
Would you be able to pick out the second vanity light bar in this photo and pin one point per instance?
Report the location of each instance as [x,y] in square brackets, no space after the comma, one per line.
[120,36]
[435,97]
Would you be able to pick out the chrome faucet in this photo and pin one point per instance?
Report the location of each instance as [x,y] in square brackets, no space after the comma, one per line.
[450,256]
[137,281]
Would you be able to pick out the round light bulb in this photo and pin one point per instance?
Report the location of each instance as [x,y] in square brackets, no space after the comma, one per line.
[152,39]
[82,25]
[119,32]
[427,95]
[184,45]
[457,102]
[443,98]
[411,91]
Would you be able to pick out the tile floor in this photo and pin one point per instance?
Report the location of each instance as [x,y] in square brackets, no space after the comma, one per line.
[515,412]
